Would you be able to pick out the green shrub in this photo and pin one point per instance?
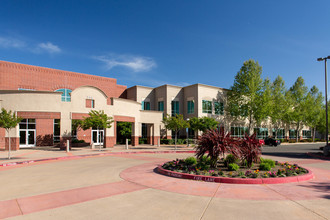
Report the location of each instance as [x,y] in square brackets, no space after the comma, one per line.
[233,167]
[190,161]
[269,161]
[143,141]
[265,166]
[292,141]
[74,141]
[204,163]
[230,159]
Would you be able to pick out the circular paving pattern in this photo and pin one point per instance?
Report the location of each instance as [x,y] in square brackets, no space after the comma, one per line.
[147,175]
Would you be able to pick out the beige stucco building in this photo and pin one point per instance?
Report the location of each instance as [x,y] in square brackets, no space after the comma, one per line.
[48,100]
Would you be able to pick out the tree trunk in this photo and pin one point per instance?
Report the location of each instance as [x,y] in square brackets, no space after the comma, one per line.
[314,131]
[176,133]
[297,132]
[9,146]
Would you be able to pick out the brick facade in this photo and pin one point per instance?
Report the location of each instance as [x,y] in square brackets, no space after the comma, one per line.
[14,76]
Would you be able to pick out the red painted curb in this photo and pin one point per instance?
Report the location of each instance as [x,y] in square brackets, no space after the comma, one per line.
[276,180]
[92,155]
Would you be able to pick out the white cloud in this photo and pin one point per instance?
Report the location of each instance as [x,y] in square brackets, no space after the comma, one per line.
[7,42]
[135,63]
[47,47]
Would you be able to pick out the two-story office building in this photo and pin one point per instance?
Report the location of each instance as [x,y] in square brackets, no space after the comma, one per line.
[49,100]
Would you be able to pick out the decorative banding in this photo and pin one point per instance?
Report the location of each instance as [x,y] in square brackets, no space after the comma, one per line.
[276,180]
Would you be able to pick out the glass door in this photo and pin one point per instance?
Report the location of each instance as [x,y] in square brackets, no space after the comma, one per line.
[97,136]
[27,133]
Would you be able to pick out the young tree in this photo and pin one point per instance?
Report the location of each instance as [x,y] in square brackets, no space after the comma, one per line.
[244,94]
[297,94]
[279,104]
[97,119]
[202,124]
[175,123]
[125,130]
[314,101]
[8,120]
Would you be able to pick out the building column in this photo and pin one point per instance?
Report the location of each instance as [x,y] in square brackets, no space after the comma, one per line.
[135,134]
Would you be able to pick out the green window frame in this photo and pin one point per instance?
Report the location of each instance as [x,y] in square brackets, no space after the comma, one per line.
[280,133]
[161,106]
[261,133]
[175,108]
[145,105]
[218,108]
[207,106]
[65,97]
[191,107]
[238,132]
[306,134]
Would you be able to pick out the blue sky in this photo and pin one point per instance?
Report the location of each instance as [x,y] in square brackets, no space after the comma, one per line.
[155,42]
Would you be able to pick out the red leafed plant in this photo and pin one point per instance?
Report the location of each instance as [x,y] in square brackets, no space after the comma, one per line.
[214,143]
[250,149]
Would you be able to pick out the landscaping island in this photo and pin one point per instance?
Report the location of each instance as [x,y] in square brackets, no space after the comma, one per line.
[241,165]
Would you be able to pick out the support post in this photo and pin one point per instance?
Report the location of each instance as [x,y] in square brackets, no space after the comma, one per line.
[126,144]
[67,146]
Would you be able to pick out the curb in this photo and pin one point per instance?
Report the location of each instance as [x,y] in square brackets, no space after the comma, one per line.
[90,155]
[277,180]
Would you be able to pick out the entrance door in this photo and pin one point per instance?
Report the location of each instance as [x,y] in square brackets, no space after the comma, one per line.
[27,138]
[27,133]
[97,136]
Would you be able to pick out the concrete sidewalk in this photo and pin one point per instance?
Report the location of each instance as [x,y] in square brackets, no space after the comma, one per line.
[125,186]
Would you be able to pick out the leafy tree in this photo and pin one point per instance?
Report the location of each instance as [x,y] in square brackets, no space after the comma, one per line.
[297,95]
[313,104]
[264,102]
[8,120]
[76,124]
[175,123]
[244,94]
[97,119]
[125,129]
[279,105]
[202,124]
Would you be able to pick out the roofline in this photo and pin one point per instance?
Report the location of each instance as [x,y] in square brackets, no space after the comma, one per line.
[27,91]
[200,84]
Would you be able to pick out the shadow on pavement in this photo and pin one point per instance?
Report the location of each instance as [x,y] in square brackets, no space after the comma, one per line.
[287,154]
[323,187]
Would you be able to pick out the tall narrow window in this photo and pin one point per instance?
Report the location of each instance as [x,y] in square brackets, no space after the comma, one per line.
[238,131]
[175,108]
[207,106]
[57,131]
[90,103]
[191,107]
[261,133]
[161,106]
[218,108]
[292,133]
[66,97]
[306,134]
[278,133]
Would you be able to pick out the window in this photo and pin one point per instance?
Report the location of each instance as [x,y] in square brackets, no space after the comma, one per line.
[57,131]
[146,106]
[207,107]
[90,103]
[279,133]
[27,124]
[191,107]
[175,108]
[161,106]
[306,134]
[218,108]
[238,131]
[292,133]
[261,133]
[66,97]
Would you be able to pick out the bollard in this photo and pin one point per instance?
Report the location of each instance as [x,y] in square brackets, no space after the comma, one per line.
[158,142]
[67,146]
[92,145]
[126,144]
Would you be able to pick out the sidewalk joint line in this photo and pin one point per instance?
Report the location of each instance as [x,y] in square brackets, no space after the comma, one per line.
[19,207]
[288,198]
[208,204]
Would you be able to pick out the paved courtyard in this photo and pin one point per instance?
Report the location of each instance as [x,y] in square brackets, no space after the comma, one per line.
[118,185]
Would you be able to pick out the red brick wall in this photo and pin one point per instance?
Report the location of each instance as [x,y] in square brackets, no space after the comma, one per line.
[39,115]
[85,135]
[44,129]
[14,76]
